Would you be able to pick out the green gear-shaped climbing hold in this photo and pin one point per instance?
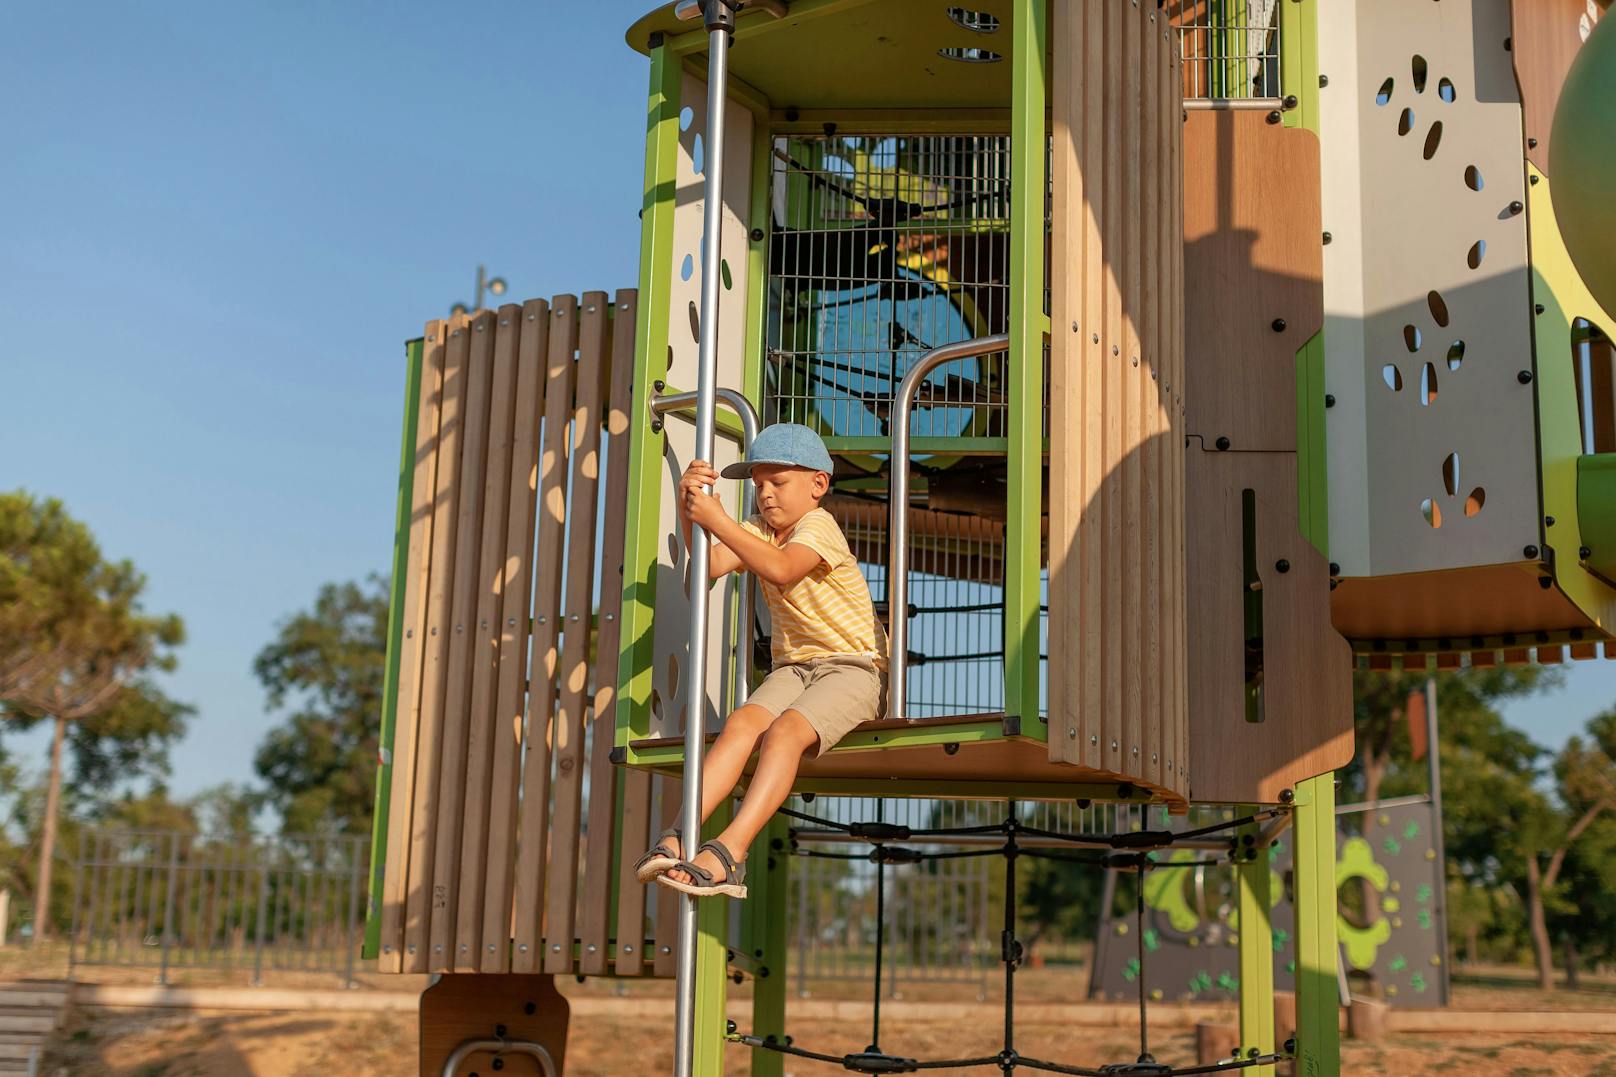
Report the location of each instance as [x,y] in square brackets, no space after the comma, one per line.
[1358,862]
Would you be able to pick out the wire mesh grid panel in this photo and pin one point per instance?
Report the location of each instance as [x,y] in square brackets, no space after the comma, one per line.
[1231,49]
[173,900]
[883,247]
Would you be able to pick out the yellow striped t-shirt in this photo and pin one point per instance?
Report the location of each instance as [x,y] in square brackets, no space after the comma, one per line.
[828,612]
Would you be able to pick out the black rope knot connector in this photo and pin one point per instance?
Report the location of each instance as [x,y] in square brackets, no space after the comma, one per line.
[896,854]
[878,1062]
[880,831]
[1143,839]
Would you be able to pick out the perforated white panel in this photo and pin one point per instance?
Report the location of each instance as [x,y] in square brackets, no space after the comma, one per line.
[1432,441]
[672,605]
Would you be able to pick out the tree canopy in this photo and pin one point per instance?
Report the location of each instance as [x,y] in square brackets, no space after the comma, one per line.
[326,667]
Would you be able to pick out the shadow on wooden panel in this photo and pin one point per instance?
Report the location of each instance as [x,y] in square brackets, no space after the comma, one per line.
[1270,678]
[492,1006]
[1253,274]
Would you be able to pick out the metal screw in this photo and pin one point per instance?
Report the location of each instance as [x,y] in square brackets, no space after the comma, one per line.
[1524,377]
[555,948]
[1113,746]
[1537,307]
[1071,731]
[1329,400]
[755,235]
[590,948]
[628,948]
[1282,565]
[1222,444]
[1094,740]
[1074,327]
[1279,325]
[1530,552]
[522,948]
[1548,521]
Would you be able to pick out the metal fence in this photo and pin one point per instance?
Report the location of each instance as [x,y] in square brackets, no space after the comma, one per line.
[170,900]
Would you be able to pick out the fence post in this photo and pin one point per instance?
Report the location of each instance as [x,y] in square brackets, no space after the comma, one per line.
[258,929]
[353,908]
[168,905]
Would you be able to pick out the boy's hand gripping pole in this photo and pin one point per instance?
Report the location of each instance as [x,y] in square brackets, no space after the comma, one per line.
[719,17]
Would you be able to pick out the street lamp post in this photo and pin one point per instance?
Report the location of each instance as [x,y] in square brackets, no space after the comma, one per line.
[492,285]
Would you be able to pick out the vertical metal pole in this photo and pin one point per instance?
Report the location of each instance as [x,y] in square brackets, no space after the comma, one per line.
[258,929]
[349,935]
[168,905]
[719,20]
[1438,839]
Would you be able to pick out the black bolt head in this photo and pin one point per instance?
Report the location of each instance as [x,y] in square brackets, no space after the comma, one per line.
[498,1064]
[1290,1046]
[1329,400]
[1530,552]
[1274,116]
[729,1026]
[1282,565]
[1222,444]
[530,1009]
[1279,325]
[659,385]
[1544,582]
[1584,552]
[1290,101]
[1286,796]
[1524,377]
[1335,569]
[1533,181]
[1324,80]
[1548,521]
[1328,237]
[756,235]
[1537,308]
[1516,206]
[1531,143]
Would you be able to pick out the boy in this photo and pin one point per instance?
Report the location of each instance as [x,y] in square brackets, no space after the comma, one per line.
[829,650]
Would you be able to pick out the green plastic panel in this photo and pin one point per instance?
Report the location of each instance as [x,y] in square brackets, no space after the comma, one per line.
[1596,511]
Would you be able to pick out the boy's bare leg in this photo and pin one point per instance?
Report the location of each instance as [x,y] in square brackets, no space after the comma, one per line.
[788,739]
[726,760]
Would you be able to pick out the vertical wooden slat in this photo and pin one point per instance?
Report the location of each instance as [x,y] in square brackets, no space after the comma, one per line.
[667,915]
[1113,737]
[407,710]
[1091,166]
[1065,381]
[533,833]
[634,836]
[1126,259]
[594,340]
[418,909]
[496,571]
[1180,378]
[532,343]
[1151,299]
[462,632]
[1173,629]
[600,868]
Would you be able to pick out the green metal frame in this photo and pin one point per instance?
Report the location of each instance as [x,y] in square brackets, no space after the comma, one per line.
[765,939]
[650,366]
[1256,951]
[1318,994]
[1028,327]
[395,638]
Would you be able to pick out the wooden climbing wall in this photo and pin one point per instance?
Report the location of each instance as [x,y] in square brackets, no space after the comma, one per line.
[1117,680]
[504,810]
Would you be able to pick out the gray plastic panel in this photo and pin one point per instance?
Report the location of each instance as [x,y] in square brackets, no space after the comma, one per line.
[1427,301]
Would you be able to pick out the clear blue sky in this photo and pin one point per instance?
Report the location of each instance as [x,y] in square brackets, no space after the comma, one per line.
[218,224]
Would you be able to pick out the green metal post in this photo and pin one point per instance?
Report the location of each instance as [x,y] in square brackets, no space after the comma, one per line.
[1255,879]
[1318,1000]
[1023,535]
[395,639]
[712,961]
[645,477]
[1299,61]
[766,940]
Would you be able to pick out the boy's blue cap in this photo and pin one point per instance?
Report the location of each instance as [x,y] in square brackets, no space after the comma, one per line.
[791,444]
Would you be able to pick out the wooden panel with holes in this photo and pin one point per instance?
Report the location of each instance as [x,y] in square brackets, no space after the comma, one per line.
[523,415]
[1116,494]
[1270,678]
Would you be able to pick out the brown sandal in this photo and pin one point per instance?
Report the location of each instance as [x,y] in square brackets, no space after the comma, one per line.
[733,884]
[656,861]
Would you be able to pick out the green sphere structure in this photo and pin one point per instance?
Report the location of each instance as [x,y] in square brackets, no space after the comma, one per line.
[1582,163]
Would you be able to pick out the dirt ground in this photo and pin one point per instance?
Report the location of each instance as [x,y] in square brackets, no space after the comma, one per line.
[384,1044]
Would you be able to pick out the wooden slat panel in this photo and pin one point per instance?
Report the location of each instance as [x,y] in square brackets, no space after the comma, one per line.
[464,606]
[1180,394]
[634,837]
[492,572]
[1090,165]
[1254,255]
[418,908]
[600,873]
[533,834]
[407,710]
[505,762]
[594,343]
[1581,652]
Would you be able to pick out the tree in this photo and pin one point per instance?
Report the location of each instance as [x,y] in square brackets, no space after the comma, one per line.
[327,665]
[76,643]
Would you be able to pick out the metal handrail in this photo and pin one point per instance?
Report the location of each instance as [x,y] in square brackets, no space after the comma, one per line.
[898,505]
[671,403]
[536,1051]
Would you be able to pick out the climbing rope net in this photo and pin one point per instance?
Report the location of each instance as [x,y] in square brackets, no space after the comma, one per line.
[1131,851]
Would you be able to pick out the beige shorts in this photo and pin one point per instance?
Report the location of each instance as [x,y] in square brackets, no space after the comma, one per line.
[834,694]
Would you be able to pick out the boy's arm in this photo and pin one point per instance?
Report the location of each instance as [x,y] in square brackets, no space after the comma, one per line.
[781,566]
